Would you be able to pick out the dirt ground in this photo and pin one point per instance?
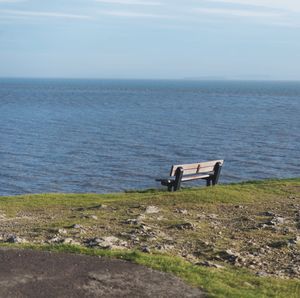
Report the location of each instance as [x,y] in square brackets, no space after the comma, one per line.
[26,273]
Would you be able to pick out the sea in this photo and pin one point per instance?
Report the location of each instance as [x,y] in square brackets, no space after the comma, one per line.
[103,136]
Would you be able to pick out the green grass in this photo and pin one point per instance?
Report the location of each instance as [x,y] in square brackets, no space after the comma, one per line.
[250,191]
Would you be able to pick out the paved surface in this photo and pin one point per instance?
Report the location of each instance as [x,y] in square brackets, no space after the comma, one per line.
[26,273]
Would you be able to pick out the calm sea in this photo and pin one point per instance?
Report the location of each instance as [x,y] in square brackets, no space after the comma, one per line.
[110,135]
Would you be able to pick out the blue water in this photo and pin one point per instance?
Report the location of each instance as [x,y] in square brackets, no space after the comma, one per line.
[106,136]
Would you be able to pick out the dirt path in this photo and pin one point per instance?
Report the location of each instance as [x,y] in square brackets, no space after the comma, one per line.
[26,273]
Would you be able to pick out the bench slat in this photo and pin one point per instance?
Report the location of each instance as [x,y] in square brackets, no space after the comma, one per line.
[196,168]
[187,178]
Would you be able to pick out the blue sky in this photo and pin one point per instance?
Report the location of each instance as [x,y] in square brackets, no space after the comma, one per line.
[209,39]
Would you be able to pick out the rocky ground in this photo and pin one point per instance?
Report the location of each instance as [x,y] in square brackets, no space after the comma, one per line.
[261,234]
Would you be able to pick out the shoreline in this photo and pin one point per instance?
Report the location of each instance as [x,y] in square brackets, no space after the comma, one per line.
[160,188]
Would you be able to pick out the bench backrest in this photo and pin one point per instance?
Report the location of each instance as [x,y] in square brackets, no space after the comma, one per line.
[196,168]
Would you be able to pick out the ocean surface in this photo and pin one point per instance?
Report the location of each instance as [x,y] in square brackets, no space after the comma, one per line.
[103,136]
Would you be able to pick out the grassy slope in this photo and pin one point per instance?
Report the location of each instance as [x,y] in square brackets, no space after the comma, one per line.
[228,282]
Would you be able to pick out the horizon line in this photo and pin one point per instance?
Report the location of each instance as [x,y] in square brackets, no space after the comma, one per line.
[150,79]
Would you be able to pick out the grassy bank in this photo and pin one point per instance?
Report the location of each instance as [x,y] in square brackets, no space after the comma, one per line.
[237,240]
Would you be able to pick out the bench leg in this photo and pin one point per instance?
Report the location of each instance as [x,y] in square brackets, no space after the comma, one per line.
[208,180]
[170,186]
[178,177]
[217,171]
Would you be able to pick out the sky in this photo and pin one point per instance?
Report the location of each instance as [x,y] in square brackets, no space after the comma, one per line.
[150,39]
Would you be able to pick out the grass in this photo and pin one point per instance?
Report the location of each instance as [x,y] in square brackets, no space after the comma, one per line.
[225,216]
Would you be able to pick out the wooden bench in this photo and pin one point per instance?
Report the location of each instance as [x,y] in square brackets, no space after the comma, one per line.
[209,171]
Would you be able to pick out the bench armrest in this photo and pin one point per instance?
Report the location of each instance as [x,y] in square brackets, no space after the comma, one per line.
[165,179]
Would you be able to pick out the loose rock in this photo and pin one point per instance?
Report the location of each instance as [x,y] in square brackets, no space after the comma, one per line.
[184,226]
[15,239]
[70,241]
[182,211]
[75,226]
[209,264]
[108,242]
[152,210]
[145,249]
[229,256]
[133,221]
[62,231]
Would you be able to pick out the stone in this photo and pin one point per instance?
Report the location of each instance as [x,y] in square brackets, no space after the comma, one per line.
[261,273]
[108,242]
[79,209]
[239,207]
[295,241]
[145,228]
[96,207]
[278,220]
[92,242]
[132,237]
[213,216]
[62,231]
[141,217]
[55,239]
[229,256]
[94,217]
[268,213]
[262,250]
[145,249]
[131,221]
[201,216]
[76,226]
[286,230]
[181,211]
[184,226]
[152,210]
[209,264]
[164,247]
[15,239]
[70,241]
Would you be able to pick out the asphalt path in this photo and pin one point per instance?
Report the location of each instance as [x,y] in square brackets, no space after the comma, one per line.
[31,273]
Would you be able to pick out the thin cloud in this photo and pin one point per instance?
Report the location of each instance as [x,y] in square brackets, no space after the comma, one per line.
[131,14]
[130,2]
[289,5]
[26,13]
[237,12]
[276,12]
[11,1]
